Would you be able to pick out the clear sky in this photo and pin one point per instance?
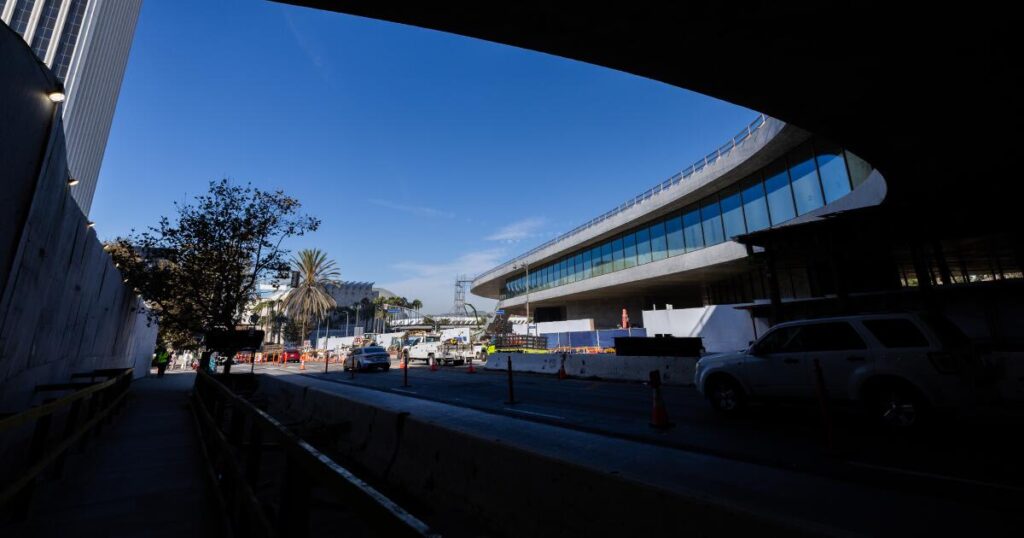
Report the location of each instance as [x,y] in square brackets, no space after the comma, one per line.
[426,155]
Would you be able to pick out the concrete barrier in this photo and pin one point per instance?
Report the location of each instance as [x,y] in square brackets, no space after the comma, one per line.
[674,370]
[513,477]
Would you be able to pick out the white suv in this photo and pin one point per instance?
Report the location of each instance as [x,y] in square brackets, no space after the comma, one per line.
[898,366]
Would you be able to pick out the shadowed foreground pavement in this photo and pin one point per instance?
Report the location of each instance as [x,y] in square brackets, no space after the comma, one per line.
[141,476]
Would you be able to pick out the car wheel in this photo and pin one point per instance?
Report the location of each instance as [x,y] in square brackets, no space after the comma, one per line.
[897,407]
[726,395]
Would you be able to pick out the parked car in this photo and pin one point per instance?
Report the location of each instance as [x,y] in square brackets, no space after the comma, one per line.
[898,367]
[290,355]
[368,358]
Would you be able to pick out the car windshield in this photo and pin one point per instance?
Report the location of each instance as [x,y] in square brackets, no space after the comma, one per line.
[374,350]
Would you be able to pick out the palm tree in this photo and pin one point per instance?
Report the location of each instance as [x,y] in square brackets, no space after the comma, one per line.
[310,297]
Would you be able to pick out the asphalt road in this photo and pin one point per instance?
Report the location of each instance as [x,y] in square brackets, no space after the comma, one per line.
[973,460]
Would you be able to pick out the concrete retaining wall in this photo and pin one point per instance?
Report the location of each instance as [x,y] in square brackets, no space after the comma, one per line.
[674,370]
[63,306]
[516,478]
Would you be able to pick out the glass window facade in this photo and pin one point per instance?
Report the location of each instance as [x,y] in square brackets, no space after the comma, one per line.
[69,38]
[711,221]
[617,264]
[779,193]
[21,15]
[629,251]
[643,246]
[692,235]
[835,180]
[732,214]
[44,30]
[804,175]
[811,175]
[674,232]
[754,207]
[659,248]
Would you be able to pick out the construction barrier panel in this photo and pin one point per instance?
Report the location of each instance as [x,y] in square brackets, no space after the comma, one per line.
[674,370]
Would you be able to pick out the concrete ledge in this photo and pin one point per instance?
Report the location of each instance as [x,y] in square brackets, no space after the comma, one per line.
[518,478]
[674,370]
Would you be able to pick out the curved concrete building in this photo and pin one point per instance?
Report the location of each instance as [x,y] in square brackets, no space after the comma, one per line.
[675,244]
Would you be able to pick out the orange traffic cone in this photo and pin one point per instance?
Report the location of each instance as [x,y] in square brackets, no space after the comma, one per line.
[401,363]
[433,365]
[302,362]
[471,369]
[659,414]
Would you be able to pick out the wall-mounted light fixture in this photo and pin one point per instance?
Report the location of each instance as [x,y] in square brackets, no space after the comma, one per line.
[90,224]
[57,96]
[72,181]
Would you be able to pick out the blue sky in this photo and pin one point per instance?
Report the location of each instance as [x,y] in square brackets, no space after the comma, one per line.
[426,155]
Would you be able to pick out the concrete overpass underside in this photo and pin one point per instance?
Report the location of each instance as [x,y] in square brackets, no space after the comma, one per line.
[925,95]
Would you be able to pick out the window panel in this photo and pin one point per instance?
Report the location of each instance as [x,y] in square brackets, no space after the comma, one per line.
[732,215]
[577,262]
[674,235]
[832,168]
[44,28]
[69,38]
[606,257]
[659,248]
[711,221]
[643,246]
[617,254]
[19,18]
[629,251]
[755,210]
[692,235]
[804,176]
[588,269]
[859,168]
[780,194]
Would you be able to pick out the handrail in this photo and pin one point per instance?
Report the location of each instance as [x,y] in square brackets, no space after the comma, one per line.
[49,408]
[103,399]
[676,179]
[222,442]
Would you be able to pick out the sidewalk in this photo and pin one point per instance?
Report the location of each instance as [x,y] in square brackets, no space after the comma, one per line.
[142,476]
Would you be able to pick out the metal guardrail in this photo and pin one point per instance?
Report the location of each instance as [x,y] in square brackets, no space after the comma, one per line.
[99,400]
[236,436]
[669,183]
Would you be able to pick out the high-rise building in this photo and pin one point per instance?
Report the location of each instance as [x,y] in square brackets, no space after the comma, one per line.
[86,44]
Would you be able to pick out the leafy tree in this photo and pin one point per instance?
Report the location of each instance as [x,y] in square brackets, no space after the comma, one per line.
[310,298]
[199,272]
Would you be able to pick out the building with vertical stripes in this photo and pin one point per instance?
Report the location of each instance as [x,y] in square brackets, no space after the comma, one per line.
[86,44]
